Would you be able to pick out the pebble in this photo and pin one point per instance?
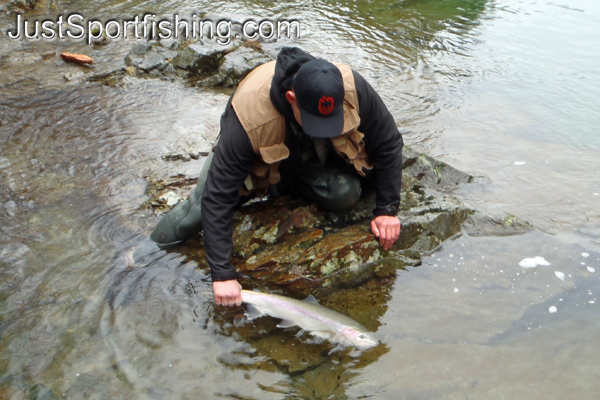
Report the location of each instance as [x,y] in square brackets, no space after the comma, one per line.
[171,198]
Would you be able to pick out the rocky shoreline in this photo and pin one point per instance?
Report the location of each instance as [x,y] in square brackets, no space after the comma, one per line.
[201,63]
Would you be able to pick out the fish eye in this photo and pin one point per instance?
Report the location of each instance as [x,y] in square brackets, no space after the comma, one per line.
[362,337]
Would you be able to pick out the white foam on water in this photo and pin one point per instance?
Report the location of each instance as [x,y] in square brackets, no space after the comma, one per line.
[542,261]
[528,263]
[533,262]
[560,275]
[591,269]
[455,290]
[520,163]
[586,255]
[552,309]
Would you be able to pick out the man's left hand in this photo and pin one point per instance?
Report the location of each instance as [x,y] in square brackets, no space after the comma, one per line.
[387,229]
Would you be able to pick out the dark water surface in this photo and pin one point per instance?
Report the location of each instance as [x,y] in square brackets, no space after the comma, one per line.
[505,91]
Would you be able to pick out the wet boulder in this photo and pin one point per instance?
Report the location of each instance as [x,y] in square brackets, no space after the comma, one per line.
[148,57]
[236,65]
[202,57]
[204,62]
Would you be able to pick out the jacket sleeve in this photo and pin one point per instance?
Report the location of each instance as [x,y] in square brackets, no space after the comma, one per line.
[230,167]
[384,145]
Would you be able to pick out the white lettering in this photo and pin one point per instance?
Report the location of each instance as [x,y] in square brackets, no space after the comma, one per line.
[117,30]
[18,29]
[45,29]
[245,32]
[72,23]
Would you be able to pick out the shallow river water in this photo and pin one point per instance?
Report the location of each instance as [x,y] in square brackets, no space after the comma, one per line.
[505,91]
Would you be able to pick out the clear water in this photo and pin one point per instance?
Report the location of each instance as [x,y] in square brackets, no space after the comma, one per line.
[479,84]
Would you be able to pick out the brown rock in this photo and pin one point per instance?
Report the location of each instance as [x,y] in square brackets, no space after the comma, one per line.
[77,58]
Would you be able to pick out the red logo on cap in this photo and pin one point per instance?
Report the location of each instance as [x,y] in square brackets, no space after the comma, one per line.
[326,105]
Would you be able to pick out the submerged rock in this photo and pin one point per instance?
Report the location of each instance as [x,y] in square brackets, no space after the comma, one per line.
[39,391]
[165,194]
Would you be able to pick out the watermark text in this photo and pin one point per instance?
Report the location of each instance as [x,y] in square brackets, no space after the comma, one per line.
[149,27]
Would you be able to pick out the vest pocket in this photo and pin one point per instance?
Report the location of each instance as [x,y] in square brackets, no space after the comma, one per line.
[274,153]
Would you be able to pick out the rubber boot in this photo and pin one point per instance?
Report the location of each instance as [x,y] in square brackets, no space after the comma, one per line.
[335,190]
[185,219]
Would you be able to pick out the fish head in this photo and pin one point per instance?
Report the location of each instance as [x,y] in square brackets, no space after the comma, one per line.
[362,340]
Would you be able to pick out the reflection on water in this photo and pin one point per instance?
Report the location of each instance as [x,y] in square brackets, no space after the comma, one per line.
[480,84]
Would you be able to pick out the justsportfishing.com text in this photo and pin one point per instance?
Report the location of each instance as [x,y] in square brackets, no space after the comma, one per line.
[150,27]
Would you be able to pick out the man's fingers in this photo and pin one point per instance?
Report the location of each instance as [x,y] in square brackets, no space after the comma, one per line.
[389,235]
[228,293]
[387,230]
[375,229]
[388,239]
[383,238]
[229,301]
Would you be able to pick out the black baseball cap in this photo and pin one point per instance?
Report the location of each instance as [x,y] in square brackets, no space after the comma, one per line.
[319,89]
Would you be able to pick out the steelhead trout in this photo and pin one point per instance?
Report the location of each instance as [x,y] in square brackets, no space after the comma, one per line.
[310,316]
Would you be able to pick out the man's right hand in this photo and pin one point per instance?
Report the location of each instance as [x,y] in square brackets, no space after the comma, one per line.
[228,293]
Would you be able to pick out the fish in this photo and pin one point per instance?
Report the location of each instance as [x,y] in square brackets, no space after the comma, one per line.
[310,316]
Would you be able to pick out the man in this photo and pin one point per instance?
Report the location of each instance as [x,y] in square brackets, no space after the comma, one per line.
[294,125]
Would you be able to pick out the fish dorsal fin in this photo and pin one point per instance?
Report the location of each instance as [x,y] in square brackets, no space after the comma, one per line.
[286,324]
[311,299]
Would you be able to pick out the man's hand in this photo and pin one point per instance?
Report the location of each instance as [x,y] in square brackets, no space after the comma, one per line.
[228,293]
[387,229]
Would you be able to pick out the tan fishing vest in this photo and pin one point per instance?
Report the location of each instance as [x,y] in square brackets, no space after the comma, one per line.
[265,127]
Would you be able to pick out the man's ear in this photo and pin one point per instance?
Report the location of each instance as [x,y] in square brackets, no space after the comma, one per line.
[291,96]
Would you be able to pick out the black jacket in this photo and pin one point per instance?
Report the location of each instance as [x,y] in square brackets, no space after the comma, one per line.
[234,155]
